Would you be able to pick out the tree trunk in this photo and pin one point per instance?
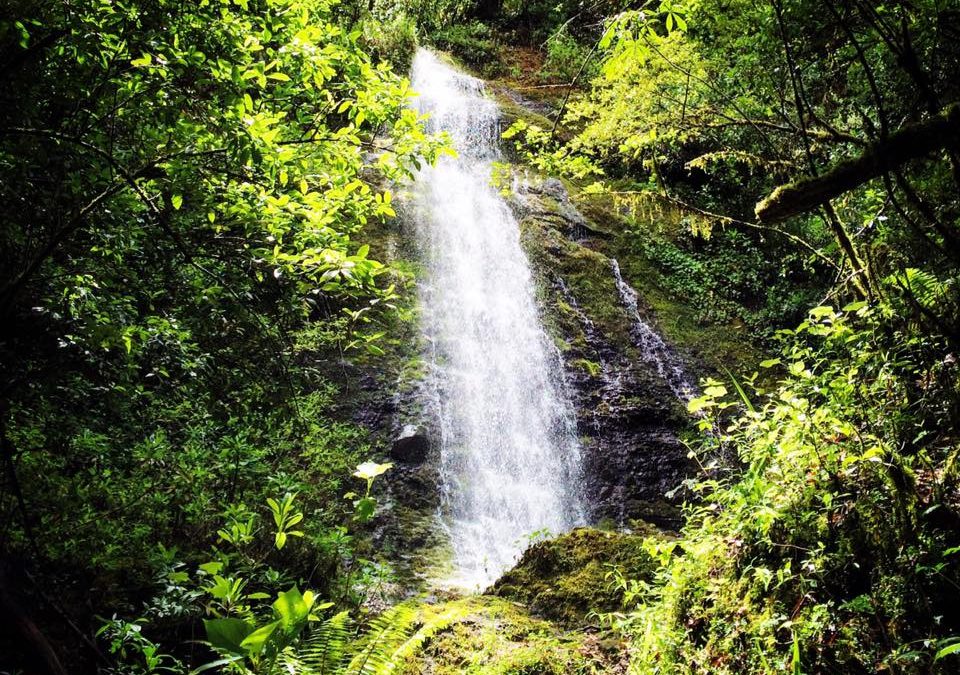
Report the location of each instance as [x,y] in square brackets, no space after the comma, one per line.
[16,622]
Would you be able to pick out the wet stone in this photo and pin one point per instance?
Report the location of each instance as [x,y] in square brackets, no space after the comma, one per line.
[411,447]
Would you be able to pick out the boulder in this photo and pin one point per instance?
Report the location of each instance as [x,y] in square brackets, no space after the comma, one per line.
[411,446]
[566,579]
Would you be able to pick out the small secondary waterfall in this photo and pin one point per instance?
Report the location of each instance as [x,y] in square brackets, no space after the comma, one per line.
[510,459]
[652,348]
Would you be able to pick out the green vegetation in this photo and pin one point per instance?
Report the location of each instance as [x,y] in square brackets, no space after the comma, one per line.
[490,636]
[184,286]
[473,43]
[832,546]
[207,307]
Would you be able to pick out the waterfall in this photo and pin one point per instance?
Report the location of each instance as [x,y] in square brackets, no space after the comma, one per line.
[652,348]
[509,454]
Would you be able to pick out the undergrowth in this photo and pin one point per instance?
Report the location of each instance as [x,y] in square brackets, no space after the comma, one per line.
[835,549]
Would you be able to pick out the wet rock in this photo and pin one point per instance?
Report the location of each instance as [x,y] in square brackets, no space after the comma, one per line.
[536,107]
[370,403]
[551,203]
[412,446]
[629,419]
[418,487]
[409,532]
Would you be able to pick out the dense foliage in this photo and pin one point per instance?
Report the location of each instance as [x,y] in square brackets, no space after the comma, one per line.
[184,193]
[834,549]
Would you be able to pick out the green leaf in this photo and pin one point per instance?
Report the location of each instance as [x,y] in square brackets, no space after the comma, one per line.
[947,651]
[740,391]
[255,642]
[212,567]
[365,508]
[607,38]
[216,664]
[228,634]
[717,391]
[796,666]
[176,201]
[291,607]
[823,310]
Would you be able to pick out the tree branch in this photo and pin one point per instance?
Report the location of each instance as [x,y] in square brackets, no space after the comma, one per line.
[912,142]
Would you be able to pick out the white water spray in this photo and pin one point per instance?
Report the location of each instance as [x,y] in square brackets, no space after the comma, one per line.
[510,459]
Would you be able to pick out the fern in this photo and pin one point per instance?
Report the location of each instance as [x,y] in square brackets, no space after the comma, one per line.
[334,648]
[325,648]
[430,627]
[928,291]
[929,300]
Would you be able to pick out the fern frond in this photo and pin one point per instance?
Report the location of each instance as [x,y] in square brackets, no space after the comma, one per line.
[326,649]
[380,642]
[933,297]
[334,648]
[429,627]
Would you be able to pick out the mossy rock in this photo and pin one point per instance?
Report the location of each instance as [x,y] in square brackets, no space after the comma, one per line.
[567,578]
[514,107]
[589,276]
[491,636]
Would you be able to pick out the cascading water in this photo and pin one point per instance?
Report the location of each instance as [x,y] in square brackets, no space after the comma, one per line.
[652,347]
[510,459]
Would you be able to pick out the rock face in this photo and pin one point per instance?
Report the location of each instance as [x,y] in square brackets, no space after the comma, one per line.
[628,418]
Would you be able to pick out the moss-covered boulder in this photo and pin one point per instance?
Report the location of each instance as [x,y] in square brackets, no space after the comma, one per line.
[568,578]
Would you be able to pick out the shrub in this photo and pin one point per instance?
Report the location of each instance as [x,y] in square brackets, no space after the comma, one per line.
[393,40]
[473,43]
[565,57]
